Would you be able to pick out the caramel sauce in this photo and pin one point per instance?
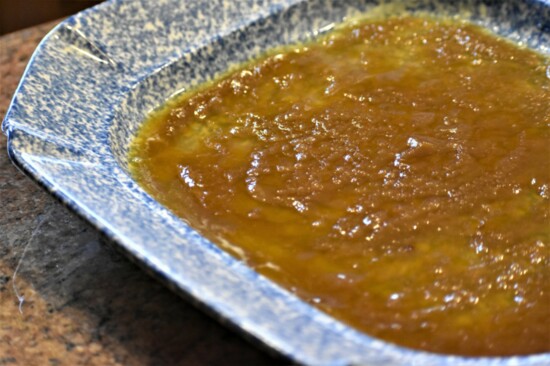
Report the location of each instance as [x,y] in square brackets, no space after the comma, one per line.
[394,173]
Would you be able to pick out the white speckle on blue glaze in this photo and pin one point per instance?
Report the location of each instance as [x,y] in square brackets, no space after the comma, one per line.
[95,77]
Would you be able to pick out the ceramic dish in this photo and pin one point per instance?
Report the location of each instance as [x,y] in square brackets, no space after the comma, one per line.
[95,77]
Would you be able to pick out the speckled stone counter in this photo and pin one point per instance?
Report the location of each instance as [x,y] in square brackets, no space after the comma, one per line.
[84,303]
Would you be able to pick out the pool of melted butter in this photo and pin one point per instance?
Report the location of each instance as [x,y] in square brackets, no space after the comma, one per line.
[394,173]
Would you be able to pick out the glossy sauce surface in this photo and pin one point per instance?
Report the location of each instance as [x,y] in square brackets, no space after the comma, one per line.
[394,173]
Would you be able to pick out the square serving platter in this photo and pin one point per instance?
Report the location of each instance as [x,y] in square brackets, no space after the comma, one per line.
[95,77]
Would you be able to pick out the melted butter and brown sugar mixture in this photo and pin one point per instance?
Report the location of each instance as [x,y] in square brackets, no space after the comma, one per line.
[394,173]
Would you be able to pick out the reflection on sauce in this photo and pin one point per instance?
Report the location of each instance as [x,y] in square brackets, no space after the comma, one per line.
[394,173]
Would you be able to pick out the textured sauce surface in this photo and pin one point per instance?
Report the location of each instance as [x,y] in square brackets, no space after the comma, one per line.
[394,173]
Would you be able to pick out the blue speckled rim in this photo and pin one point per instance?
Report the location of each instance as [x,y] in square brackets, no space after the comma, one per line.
[95,76]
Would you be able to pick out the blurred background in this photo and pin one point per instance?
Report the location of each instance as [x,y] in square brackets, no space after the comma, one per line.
[19,14]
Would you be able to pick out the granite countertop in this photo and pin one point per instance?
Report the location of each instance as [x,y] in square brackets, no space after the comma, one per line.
[84,303]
